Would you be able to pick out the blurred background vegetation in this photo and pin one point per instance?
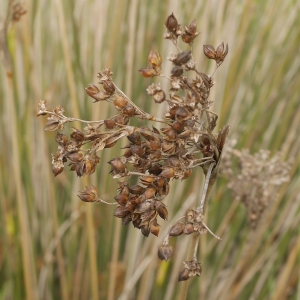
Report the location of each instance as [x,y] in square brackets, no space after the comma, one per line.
[53,246]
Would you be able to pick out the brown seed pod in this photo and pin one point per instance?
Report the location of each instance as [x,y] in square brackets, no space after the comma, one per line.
[117,165]
[110,142]
[110,124]
[176,71]
[57,167]
[178,126]
[154,59]
[148,72]
[188,228]
[163,212]
[138,150]
[137,189]
[182,114]
[119,102]
[121,199]
[209,51]
[77,135]
[134,138]
[52,125]
[61,139]
[165,252]
[74,157]
[147,180]
[169,133]
[149,192]
[90,194]
[176,229]
[154,228]
[184,275]
[182,58]
[109,87]
[128,110]
[145,230]
[159,96]
[126,220]
[120,212]
[171,23]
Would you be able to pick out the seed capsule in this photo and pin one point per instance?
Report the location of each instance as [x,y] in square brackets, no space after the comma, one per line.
[109,87]
[121,199]
[120,212]
[188,228]
[165,252]
[176,229]
[148,72]
[171,23]
[209,51]
[119,102]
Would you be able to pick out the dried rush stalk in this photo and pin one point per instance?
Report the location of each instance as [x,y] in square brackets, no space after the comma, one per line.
[154,155]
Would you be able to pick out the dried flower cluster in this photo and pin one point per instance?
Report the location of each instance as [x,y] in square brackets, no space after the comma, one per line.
[155,156]
[255,180]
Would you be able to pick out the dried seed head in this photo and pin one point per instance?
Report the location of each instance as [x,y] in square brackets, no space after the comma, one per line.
[189,216]
[154,228]
[96,94]
[119,102]
[182,58]
[137,189]
[74,157]
[149,192]
[126,220]
[138,150]
[187,173]
[221,54]
[209,51]
[177,71]
[159,96]
[165,252]
[90,194]
[109,87]
[162,211]
[182,114]
[61,139]
[154,59]
[52,124]
[121,119]
[57,164]
[148,72]
[128,110]
[121,199]
[41,108]
[188,228]
[121,212]
[178,126]
[77,135]
[171,23]
[147,180]
[184,275]
[145,230]
[176,229]
[169,132]
[117,165]
[110,124]
[192,28]
[187,38]
[105,75]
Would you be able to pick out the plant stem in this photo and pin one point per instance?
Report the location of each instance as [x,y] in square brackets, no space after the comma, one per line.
[185,284]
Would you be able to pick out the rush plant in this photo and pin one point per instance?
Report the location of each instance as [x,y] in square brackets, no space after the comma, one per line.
[180,142]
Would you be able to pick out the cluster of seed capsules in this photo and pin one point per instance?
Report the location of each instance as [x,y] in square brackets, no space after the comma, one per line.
[155,156]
